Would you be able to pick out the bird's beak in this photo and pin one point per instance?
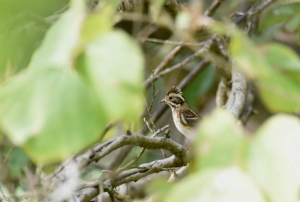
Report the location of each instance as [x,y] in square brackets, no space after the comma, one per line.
[163,101]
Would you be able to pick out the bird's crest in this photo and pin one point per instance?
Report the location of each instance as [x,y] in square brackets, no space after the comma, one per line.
[175,90]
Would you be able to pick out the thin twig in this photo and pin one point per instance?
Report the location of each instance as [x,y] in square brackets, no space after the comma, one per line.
[213,7]
[106,129]
[147,124]
[131,162]
[253,11]
[178,65]
[167,59]
[3,196]
[8,155]
[177,43]
[154,94]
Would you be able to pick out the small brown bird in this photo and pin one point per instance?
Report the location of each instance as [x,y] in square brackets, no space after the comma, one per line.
[183,116]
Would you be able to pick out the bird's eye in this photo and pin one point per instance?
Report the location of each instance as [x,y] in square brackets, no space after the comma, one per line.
[171,98]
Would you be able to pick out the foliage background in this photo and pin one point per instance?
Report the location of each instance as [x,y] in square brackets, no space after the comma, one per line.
[68,69]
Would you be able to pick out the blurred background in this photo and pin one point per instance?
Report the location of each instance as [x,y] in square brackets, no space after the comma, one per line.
[69,69]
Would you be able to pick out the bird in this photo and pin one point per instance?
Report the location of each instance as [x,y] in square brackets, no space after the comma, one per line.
[184,117]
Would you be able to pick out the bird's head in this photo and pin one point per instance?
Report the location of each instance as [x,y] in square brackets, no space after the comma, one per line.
[174,97]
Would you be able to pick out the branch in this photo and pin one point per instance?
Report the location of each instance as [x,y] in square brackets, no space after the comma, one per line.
[248,109]
[222,92]
[135,175]
[142,141]
[214,6]
[3,197]
[167,59]
[181,64]
[253,11]
[177,43]
[237,98]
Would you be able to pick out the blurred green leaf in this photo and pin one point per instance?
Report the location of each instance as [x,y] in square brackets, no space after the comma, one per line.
[218,146]
[97,24]
[229,184]
[50,112]
[283,58]
[280,14]
[274,159]
[293,24]
[113,3]
[114,65]
[23,25]
[17,161]
[279,92]
[58,47]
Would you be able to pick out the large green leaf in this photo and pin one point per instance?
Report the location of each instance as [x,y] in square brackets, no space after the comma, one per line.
[50,112]
[219,140]
[274,159]
[280,14]
[114,66]
[58,47]
[98,24]
[229,184]
[283,58]
[279,91]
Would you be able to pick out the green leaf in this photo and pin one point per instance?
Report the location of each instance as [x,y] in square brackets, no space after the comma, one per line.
[58,47]
[280,14]
[229,184]
[98,24]
[293,24]
[50,112]
[279,92]
[16,162]
[283,58]
[218,146]
[274,159]
[114,66]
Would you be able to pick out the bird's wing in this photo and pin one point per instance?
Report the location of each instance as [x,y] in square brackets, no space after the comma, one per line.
[189,118]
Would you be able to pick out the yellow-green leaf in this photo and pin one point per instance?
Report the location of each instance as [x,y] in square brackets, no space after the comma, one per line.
[229,184]
[274,159]
[50,112]
[114,65]
[279,91]
[219,140]
[58,47]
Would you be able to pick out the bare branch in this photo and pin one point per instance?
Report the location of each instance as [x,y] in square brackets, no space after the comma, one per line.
[142,141]
[181,64]
[3,197]
[167,59]
[131,162]
[213,7]
[106,129]
[8,155]
[177,43]
[222,92]
[253,11]
[248,109]
[237,97]
[179,174]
